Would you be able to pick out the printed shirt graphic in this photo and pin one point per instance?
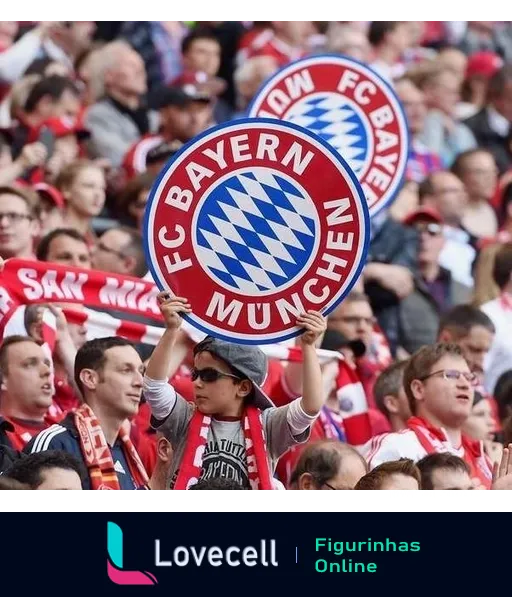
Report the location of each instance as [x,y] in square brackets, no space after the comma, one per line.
[225,453]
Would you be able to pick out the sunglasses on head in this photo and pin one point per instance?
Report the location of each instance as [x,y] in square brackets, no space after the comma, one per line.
[209,375]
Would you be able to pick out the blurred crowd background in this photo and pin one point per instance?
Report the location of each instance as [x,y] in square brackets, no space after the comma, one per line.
[91,111]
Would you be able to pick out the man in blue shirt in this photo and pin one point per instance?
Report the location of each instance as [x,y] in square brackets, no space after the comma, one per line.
[109,372]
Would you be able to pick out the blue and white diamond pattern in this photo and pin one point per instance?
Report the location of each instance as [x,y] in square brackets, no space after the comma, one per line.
[330,116]
[256,231]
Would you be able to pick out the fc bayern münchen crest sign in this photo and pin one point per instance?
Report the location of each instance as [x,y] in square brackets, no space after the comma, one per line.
[352,108]
[255,221]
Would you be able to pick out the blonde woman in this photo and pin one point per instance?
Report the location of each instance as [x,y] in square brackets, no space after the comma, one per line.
[82,184]
[485,289]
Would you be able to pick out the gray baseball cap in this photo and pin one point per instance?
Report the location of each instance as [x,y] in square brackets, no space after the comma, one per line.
[249,360]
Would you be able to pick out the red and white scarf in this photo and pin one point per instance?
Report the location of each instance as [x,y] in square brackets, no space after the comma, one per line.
[97,455]
[27,282]
[433,441]
[255,447]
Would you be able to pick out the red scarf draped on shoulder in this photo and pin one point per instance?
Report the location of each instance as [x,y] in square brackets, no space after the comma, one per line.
[97,456]
[256,451]
[432,440]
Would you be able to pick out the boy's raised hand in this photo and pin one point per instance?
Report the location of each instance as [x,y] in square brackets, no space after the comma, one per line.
[171,307]
[314,324]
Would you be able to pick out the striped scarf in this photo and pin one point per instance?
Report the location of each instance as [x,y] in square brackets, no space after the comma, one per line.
[97,455]
[255,446]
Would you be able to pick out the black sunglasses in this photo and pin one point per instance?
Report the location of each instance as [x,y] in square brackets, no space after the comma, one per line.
[209,375]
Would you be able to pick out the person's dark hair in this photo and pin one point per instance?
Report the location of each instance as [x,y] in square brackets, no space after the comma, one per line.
[38,66]
[43,248]
[458,166]
[322,460]
[134,248]
[4,350]
[389,383]
[30,468]
[506,198]
[503,395]
[503,265]
[27,195]
[216,483]
[498,82]
[4,144]
[376,478]
[357,297]
[53,86]
[421,363]
[435,462]
[460,320]
[203,347]
[130,194]
[426,188]
[379,29]
[199,33]
[8,483]
[92,355]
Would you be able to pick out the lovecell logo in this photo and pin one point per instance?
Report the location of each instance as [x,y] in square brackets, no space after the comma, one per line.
[115,561]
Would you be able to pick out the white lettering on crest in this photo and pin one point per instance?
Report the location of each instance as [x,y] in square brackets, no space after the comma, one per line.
[284,307]
[220,311]
[278,101]
[386,140]
[238,146]
[299,84]
[177,197]
[267,144]
[196,173]
[264,310]
[362,91]
[381,117]
[339,207]
[299,163]
[387,161]
[313,298]
[168,243]
[218,155]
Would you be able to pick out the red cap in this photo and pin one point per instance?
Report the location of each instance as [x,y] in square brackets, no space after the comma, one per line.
[483,64]
[48,192]
[61,127]
[423,213]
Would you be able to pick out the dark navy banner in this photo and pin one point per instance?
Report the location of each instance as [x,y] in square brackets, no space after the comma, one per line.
[124,554]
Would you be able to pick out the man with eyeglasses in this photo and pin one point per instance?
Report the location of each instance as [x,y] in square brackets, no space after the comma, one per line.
[19,224]
[435,289]
[440,388]
[120,251]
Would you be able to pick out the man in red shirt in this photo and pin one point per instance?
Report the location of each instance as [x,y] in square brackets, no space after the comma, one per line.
[440,388]
[26,388]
